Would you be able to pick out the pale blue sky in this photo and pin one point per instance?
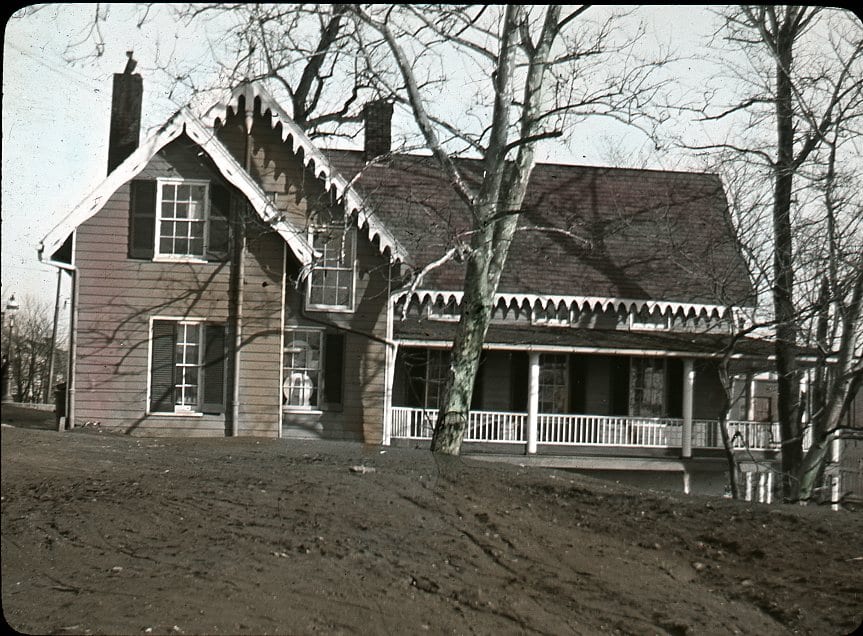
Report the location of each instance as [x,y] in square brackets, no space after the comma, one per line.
[55,117]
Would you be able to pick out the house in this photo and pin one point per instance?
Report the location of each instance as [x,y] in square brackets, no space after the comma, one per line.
[233,278]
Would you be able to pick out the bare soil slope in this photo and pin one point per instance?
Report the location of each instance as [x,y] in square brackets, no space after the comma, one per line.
[103,533]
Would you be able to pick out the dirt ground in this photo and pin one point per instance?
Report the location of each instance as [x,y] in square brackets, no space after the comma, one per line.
[104,533]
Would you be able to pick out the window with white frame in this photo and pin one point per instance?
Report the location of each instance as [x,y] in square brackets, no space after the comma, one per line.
[187,367]
[647,387]
[302,369]
[331,282]
[182,208]
[553,383]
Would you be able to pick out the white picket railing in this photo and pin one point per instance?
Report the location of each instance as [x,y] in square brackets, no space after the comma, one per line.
[483,426]
[589,430]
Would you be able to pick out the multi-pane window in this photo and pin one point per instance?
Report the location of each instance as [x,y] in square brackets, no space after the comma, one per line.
[187,367]
[647,387]
[302,363]
[437,367]
[553,385]
[312,366]
[331,282]
[175,219]
[182,208]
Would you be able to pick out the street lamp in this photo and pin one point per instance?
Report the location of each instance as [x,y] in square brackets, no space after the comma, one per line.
[9,316]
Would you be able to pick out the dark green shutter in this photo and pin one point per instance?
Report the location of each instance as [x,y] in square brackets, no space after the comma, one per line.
[334,356]
[213,376]
[218,239]
[674,387]
[619,385]
[162,367]
[478,383]
[520,369]
[142,219]
[578,365]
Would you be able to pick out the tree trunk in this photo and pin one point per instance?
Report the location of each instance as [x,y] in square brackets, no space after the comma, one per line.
[783,272]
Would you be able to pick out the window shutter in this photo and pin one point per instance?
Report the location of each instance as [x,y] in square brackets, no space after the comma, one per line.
[520,368]
[142,219]
[218,240]
[162,367]
[213,375]
[674,387]
[578,370]
[619,386]
[334,356]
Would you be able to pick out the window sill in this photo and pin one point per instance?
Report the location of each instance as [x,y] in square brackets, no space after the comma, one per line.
[180,259]
[341,309]
[301,410]
[175,414]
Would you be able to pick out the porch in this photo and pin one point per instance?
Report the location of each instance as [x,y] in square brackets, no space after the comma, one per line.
[599,431]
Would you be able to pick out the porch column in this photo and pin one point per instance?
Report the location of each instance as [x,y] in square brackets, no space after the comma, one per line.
[750,397]
[688,385]
[532,403]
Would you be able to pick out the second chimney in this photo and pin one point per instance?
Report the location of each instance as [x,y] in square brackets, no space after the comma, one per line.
[378,116]
[125,114]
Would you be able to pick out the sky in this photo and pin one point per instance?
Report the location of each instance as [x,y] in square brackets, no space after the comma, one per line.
[55,114]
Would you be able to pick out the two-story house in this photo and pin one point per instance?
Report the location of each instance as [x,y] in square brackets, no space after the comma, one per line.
[231,277]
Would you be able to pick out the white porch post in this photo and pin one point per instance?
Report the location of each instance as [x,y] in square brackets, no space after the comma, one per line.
[532,403]
[688,385]
[750,397]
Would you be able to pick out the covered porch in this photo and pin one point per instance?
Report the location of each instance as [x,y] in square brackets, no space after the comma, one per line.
[556,429]
[558,402]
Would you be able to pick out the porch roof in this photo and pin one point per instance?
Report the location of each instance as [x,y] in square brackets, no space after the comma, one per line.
[597,341]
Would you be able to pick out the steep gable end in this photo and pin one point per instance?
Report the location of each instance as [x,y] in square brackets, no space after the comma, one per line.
[183,122]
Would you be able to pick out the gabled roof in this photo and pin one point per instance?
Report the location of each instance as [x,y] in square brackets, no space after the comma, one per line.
[642,238]
[181,122]
[314,158]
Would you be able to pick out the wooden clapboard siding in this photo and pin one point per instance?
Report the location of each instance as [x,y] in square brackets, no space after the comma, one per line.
[260,353]
[278,170]
[362,412]
[117,296]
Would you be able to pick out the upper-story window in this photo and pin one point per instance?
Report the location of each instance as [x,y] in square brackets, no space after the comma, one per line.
[178,220]
[331,282]
[183,217]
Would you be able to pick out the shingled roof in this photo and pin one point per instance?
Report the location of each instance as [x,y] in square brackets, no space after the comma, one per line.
[584,231]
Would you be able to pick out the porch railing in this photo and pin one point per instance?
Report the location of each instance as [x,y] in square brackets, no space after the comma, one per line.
[590,430]
[483,426]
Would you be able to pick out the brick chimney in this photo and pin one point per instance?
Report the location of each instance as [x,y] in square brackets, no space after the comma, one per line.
[378,116]
[125,114]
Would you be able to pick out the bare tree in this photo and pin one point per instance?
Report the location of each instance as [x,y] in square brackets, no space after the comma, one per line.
[27,351]
[804,99]
[537,75]
[538,69]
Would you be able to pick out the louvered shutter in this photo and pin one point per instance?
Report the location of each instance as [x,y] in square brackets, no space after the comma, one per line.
[162,366]
[142,219]
[674,387]
[213,376]
[218,240]
[619,385]
[334,356]
[520,368]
